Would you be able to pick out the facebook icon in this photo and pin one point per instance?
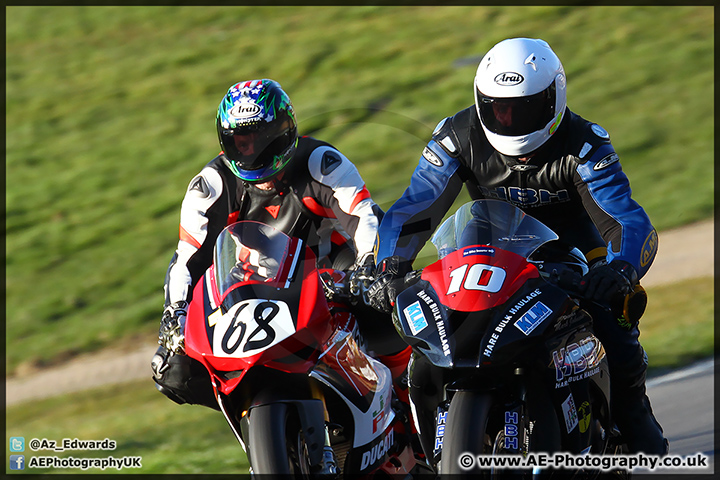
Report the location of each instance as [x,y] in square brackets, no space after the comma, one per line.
[17,462]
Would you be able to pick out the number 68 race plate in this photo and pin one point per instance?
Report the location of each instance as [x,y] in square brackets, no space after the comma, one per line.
[252,326]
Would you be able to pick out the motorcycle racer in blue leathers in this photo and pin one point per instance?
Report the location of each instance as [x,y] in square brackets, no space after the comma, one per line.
[520,143]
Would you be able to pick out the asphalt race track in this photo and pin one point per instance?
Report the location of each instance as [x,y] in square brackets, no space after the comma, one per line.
[683,402]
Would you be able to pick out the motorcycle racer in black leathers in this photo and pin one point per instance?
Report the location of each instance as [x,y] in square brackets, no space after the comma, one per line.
[521,144]
[267,173]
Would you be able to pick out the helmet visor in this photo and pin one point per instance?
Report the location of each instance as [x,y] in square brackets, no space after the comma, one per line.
[252,147]
[517,116]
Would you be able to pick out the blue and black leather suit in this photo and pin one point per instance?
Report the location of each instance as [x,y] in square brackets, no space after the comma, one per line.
[574,184]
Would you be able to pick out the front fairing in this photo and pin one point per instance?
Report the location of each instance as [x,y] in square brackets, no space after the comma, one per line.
[485,337]
[266,307]
[483,282]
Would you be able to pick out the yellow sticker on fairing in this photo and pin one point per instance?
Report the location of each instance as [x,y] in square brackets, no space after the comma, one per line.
[214,317]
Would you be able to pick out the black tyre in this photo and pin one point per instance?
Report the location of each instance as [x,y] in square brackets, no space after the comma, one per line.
[276,445]
[464,432]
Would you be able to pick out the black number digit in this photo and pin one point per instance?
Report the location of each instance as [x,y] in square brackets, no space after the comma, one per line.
[234,326]
[263,325]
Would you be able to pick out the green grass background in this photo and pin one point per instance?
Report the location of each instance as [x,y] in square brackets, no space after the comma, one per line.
[110,111]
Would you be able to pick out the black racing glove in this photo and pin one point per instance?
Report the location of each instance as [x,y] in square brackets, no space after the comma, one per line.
[609,284]
[360,275]
[171,337]
[390,280]
[171,334]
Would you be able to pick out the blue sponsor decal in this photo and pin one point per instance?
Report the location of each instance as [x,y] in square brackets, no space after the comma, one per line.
[440,430]
[415,317]
[489,251]
[511,430]
[534,317]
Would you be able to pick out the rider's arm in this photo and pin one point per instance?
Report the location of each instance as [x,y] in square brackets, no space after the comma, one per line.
[622,222]
[340,193]
[203,215]
[409,223]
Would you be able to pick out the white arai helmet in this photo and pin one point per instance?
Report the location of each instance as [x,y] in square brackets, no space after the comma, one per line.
[520,95]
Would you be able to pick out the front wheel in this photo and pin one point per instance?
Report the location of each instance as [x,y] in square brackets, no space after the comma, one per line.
[276,444]
[469,433]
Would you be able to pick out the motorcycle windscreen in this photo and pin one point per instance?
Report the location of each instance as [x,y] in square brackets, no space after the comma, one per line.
[482,250]
[249,251]
[491,222]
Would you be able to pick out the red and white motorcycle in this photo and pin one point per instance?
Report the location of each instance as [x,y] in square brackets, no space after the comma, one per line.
[287,364]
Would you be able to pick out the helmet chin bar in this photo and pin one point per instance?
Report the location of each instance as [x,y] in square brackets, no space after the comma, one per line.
[519,146]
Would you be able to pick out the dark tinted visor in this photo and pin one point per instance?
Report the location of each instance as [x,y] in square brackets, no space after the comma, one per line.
[252,148]
[517,116]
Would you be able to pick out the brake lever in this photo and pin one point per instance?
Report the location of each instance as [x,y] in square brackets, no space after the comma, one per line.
[328,285]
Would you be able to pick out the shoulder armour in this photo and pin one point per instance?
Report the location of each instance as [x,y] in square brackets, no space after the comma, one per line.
[307,144]
[445,136]
[453,132]
[585,138]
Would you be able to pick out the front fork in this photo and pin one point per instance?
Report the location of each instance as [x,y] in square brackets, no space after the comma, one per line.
[513,436]
[311,412]
[328,463]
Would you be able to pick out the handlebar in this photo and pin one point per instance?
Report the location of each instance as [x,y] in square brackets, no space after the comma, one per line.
[627,309]
[339,286]
[354,284]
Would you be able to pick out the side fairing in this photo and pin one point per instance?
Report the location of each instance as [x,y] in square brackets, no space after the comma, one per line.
[364,383]
[423,322]
[523,322]
[579,383]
